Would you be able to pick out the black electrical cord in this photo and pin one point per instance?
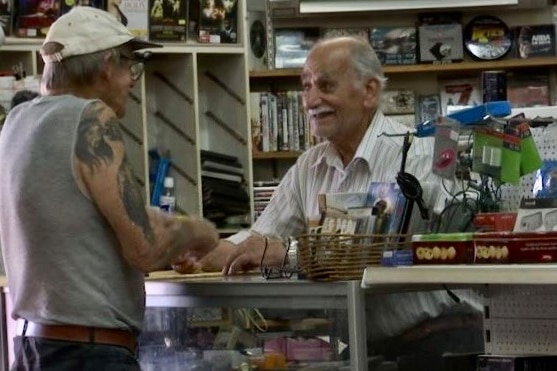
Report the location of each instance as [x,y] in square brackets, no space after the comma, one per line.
[410,187]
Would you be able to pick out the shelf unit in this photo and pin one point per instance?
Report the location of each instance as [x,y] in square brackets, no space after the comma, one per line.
[379,278]
[422,78]
[520,301]
[290,77]
[192,97]
[510,63]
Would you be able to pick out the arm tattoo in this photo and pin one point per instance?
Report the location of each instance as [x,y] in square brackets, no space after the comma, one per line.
[92,148]
[133,200]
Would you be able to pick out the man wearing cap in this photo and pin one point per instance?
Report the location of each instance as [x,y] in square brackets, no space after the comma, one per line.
[76,233]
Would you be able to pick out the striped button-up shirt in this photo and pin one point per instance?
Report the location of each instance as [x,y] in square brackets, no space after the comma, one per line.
[320,170]
[378,158]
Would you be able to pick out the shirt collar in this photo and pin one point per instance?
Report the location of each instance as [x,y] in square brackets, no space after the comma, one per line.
[364,150]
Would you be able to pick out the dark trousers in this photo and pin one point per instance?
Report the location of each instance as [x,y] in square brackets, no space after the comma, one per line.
[38,354]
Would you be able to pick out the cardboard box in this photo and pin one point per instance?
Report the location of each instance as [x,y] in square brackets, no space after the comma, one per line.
[534,41]
[495,222]
[440,43]
[536,214]
[443,248]
[515,247]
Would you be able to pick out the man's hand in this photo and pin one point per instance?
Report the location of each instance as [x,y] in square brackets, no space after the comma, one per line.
[203,236]
[187,265]
[248,255]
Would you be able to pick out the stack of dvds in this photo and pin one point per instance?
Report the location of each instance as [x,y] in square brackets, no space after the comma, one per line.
[223,185]
[262,193]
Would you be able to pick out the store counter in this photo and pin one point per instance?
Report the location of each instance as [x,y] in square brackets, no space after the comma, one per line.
[169,289]
[211,290]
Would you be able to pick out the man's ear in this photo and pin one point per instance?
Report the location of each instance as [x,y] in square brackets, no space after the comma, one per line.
[371,95]
[108,66]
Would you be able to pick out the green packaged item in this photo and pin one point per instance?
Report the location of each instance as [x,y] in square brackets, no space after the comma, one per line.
[530,159]
[497,154]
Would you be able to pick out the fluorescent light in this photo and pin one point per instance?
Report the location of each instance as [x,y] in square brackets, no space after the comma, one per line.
[334,6]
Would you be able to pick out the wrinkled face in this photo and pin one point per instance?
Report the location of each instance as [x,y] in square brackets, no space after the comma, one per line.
[336,101]
[120,82]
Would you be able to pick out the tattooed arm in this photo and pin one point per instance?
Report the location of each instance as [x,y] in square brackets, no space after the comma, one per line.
[149,239]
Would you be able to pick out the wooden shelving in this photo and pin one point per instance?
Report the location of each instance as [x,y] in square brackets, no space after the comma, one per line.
[275,155]
[505,64]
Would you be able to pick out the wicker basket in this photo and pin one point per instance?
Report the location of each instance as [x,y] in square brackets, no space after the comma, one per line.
[334,257]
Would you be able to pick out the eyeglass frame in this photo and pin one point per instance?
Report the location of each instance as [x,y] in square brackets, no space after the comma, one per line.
[136,67]
[282,271]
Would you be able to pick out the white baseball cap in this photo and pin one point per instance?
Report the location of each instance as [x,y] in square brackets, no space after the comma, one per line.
[85,30]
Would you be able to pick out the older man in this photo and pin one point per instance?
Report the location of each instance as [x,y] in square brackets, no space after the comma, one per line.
[342,81]
[76,234]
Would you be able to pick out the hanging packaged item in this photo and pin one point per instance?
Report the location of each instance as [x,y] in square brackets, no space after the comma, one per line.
[530,159]
[445,150]
[545,184]
[497,155]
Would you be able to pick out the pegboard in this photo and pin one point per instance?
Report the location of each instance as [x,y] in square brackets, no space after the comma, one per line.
[546,141]
[522,301]
[520,319]
[525,336]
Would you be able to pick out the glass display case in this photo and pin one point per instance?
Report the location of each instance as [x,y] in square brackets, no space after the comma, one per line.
[210,322]
[249,323]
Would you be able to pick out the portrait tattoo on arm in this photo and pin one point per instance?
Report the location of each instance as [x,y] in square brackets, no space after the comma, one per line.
[92,148]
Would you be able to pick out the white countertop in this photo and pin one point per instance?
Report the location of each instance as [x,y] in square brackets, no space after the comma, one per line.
[527,274]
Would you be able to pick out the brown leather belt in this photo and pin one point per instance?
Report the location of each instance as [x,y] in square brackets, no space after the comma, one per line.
[81,334]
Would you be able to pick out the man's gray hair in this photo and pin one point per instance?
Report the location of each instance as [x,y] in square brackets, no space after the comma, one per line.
[365,62]
[74,72]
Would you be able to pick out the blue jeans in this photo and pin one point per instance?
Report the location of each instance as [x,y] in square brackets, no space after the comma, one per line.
[38,354]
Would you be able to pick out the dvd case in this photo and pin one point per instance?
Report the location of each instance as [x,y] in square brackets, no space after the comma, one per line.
[394,45]
[218,21]
[168,20]
[135,14]
[35,17]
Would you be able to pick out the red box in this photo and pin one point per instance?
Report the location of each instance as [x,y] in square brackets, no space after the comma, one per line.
[515,247]
[443,248]
[495,222]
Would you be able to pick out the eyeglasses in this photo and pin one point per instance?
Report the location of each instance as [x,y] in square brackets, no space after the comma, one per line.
[285,270]
[136,67]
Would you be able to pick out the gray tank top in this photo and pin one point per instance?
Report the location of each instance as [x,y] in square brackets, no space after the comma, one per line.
[62,259]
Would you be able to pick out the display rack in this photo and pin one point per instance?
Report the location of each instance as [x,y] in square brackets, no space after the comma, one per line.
[520,301]
[435,275]
[169,289]
[253,291]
